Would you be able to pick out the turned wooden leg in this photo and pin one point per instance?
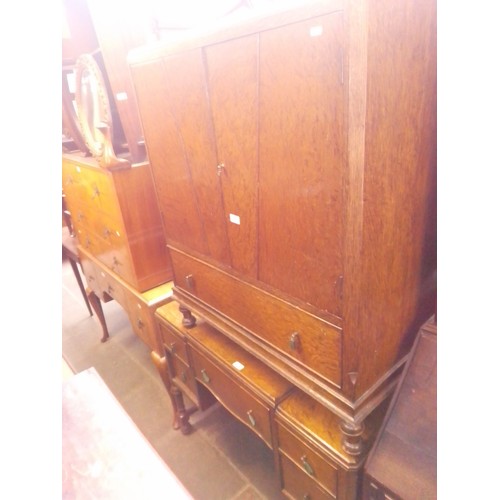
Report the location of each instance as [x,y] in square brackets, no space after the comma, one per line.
[182,413]
[161,366]
[188,319]
[352,441]
[78,277]
[97,306]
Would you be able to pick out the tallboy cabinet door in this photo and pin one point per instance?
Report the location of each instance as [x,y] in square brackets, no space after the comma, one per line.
[232,70]
[187,95]
[176,119]
[301,159]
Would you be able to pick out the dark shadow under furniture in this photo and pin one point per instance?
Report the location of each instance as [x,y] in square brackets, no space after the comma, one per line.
[70,252]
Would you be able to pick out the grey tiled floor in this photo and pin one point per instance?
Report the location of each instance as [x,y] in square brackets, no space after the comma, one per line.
[220,460]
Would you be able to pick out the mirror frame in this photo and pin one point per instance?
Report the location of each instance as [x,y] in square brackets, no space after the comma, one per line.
[70,122]
[94,112]
[91,91]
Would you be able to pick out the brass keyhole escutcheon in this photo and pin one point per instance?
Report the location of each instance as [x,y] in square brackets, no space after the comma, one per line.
[220,168]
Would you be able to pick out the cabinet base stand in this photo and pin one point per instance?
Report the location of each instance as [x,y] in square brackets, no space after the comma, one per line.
[352,441]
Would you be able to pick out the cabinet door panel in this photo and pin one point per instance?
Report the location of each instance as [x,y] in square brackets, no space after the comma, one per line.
[190,109]
[301,156]
[232,70]
[175,191]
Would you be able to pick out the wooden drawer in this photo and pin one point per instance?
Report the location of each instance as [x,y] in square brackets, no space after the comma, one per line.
[241,403]
[112,287]
[72,181]
[116,259]
[100,192]
[107,228]
[183,377]
[298,485]
[142,319]
[91,272]
[299,335]
[92,186]
[305,458]
[173,342]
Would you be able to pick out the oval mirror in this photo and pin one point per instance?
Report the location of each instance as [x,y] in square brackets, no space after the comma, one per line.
[95,113]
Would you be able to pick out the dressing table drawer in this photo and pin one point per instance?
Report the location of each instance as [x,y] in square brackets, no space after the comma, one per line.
[241,403]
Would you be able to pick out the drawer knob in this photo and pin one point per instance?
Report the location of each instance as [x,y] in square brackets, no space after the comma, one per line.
[220,168]
[294,341]
[307,466]
[172,347]
[183,376]
[110,290]
[306,497]
[116,263]
[251,418]
[106,232]
[205,377]
[140,324]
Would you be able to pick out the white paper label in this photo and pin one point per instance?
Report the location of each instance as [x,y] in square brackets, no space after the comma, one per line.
[316,31]
[121,96]
[238,365]
[235,219]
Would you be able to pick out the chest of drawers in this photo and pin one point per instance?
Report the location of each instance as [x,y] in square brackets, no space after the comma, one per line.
[117,220]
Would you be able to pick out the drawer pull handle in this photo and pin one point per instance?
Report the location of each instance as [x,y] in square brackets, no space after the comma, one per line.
[251,418]
[220,168]
[294,341]
[190,281]
[110,290]
[116,263]
[95,193]
[307,466]
[140,324]
[306,497]
[172,347]
[183,376]
[106,232]
[205,377]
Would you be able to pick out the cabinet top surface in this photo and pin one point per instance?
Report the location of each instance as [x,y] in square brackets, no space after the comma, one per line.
[239,24]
